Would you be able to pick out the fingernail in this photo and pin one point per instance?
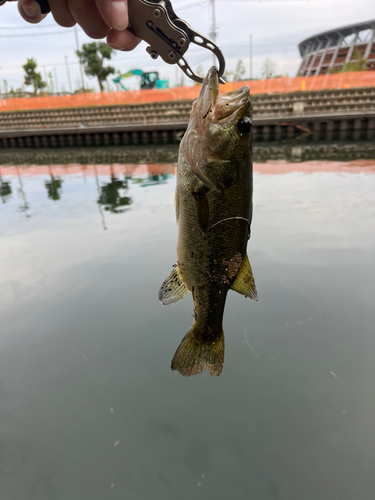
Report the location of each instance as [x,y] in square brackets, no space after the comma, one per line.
[29,10]
[115,46]
[119,15]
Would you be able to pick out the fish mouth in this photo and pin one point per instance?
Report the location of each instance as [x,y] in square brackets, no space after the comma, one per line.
[222,107]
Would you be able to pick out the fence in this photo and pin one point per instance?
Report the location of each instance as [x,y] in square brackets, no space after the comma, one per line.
[276,85]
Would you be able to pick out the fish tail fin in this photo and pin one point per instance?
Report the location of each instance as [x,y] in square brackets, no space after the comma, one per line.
[199,351]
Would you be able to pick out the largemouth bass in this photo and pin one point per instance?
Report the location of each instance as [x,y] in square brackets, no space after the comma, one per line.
[213,211]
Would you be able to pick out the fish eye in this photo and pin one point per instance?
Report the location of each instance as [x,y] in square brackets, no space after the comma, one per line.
[244,125]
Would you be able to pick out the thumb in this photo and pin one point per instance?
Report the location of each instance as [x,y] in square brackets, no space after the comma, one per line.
[114,13]
[30,11]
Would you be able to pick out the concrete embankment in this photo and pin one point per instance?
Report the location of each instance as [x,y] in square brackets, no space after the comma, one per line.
[338,114]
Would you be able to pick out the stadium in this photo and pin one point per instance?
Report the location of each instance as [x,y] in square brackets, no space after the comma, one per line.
[330,50]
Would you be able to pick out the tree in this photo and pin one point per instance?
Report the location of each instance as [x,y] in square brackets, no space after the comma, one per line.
[5,190]
[5,86]
[32,77]
[239,71]
[92,58]
[268,69]
[200,71]
[53,188]
[17,92]
[85,90]
[357,64]
[50,83]
[228,76]
[110,196]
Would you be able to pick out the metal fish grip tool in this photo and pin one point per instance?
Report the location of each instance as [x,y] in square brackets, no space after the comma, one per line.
[168,36]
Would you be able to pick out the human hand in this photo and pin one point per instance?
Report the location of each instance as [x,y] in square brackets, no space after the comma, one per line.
[97,18]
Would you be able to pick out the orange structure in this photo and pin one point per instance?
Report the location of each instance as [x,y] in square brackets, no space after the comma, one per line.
[276,85]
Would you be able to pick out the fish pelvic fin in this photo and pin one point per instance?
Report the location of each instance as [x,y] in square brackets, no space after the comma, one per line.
[198,352]
[173,289]
[244,282]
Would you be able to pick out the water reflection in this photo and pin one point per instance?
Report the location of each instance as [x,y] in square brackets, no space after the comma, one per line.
[111,195]
[5,190]
[53,187]
[25,206]
[114,181]
[154,179]
[86,347]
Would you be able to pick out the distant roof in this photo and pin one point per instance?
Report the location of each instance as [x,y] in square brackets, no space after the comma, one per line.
[335,33]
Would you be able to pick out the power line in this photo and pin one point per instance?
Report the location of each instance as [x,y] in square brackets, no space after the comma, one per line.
[188,6]
[213,32]
[79,61]
[64,32]
[269,1]
[205,2]
[31,26]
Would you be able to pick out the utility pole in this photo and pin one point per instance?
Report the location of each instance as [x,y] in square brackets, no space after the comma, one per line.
[213,30]
[80,65]
[45,74]
[68,75]
[251,57]
[56,81]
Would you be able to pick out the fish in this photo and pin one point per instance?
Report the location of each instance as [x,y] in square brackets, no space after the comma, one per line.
[213,211]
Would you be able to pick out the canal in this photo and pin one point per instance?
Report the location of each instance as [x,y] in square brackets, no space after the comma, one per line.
[89,407]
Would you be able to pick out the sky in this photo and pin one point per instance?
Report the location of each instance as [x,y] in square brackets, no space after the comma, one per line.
[276,27]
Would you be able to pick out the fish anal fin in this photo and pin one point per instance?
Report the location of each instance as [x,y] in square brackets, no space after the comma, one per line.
[173,289]
[244,282]
[198,352]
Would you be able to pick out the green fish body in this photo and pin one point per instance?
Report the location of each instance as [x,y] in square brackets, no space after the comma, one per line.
[213,211]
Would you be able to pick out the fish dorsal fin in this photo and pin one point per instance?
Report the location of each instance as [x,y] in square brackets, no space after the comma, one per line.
[173,289]
[244,282]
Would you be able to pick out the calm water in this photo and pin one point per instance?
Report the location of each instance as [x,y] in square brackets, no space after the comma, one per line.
[89,408]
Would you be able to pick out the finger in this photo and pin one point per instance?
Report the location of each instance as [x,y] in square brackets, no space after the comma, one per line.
[114,13]
[30,11]
[61,13]
[88,17]
[122,40]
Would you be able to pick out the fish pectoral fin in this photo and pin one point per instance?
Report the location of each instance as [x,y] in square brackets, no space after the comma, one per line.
[244,282]
[173,289]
